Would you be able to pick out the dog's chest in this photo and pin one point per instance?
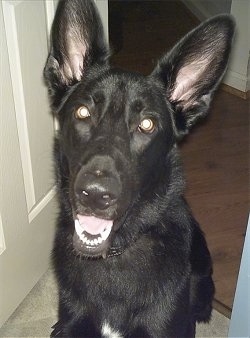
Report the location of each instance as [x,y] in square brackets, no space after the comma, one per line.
[124,285]
[123,281]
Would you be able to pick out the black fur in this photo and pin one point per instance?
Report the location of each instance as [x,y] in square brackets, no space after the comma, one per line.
[152,276]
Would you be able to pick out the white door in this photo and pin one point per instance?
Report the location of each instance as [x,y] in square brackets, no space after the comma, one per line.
[27,203]
[27,195]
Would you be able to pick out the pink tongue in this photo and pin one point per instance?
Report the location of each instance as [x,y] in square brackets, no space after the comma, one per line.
[94,225]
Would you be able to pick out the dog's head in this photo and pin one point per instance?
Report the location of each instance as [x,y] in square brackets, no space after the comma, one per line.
[117,128]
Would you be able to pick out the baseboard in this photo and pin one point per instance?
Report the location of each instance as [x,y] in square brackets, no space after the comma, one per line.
[223,309]
[234,91]
[236,80]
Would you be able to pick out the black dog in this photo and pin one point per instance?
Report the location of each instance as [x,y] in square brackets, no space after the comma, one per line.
[130,259]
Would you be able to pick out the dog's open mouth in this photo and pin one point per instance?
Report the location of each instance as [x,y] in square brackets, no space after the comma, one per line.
[91,234]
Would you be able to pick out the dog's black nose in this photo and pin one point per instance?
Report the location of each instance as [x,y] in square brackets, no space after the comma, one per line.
[97,190]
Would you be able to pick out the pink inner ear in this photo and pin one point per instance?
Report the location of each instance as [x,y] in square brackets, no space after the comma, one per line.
[73,67]
[76,63]
[186,80]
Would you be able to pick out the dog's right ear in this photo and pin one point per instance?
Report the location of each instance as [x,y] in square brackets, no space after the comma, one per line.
[77,42]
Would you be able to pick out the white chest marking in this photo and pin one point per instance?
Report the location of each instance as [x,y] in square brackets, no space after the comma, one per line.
[108,332]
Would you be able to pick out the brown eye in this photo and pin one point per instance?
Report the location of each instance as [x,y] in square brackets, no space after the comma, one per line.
[146,126]
[82,113]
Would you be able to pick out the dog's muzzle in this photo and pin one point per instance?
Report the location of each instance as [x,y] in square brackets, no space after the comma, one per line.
[98,195]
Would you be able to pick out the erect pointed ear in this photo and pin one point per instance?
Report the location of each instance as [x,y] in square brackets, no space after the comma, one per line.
[193,69]
[77,42]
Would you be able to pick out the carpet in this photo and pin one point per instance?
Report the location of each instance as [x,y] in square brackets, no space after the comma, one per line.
[38,312]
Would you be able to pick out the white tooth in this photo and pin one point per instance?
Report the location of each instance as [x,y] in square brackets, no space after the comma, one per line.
[96,241]
[100,240]
[79,229]
[88,241]
[83,238]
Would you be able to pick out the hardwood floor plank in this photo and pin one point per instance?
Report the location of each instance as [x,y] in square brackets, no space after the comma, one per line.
[216,159]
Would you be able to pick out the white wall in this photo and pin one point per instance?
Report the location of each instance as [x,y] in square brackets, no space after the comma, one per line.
[238,73]
[240,319]
[102,6]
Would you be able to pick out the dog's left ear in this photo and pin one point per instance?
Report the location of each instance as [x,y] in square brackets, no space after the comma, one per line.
[77,43]
[192,70]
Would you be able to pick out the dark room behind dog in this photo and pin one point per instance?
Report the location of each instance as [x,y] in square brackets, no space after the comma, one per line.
[129,257]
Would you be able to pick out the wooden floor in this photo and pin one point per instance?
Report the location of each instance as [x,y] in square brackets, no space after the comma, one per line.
[216,154]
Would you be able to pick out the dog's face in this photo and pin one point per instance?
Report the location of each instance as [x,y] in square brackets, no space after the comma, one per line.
[117,128]
[110,126]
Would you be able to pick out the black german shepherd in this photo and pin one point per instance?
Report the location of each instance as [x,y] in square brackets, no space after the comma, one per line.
[130,259]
